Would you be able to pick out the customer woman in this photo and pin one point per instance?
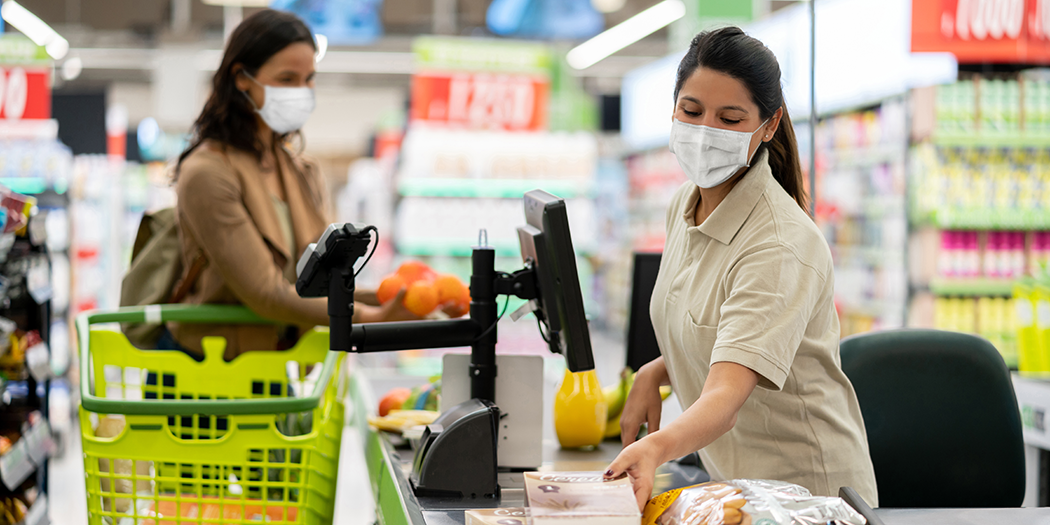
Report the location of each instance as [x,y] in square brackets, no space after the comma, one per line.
[743,305]
[248,202]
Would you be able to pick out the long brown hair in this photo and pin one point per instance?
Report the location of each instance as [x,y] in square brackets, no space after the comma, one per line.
[730,51]
[228,116]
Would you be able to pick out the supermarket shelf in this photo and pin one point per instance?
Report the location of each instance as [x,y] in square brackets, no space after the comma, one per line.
[33,185]
[452,248]
[490,188]
[37,514]
[974,287]
[999,140]
[22,460]
[991,219]
[876,255]
[865,157]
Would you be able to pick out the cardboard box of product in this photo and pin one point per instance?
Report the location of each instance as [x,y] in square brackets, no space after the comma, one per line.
[575,498]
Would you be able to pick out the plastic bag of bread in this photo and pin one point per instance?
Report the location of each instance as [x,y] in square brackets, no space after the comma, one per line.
[747,502]
[113,426]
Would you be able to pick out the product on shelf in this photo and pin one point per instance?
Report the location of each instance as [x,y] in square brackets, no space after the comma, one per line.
[860,209]
[993,318]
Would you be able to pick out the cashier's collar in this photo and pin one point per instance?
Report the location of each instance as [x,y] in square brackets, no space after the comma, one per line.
[727,219]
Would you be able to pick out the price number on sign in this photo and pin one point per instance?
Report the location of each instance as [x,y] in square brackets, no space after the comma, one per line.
[481,100]
[497,101]
[14,92]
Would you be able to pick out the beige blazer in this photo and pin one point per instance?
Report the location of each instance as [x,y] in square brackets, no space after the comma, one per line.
[226,213]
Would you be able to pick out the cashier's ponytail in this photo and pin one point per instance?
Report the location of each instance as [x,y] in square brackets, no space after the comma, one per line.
[730,51]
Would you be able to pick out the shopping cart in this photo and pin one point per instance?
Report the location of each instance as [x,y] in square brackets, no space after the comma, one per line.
[248,441]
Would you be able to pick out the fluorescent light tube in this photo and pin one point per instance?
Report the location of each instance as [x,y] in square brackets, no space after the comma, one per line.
[626,33]
[36,29]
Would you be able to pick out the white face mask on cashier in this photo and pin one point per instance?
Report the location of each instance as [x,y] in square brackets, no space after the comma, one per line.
[285,109]
[710,156]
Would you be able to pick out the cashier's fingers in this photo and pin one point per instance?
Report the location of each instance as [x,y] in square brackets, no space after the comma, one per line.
[639,462]
[643,405]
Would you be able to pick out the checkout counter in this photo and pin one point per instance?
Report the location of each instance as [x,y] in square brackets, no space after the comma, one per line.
[410,488]
[396,504]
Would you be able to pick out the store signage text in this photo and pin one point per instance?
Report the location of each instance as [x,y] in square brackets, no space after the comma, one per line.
[983,30]
[481,100]
[25,93]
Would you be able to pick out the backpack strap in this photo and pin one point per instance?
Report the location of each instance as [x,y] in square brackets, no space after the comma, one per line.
[194,273]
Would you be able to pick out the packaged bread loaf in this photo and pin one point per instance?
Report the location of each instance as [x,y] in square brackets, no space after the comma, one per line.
[747,502]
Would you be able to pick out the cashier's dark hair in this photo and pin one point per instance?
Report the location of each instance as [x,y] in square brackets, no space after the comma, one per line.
[730,51]
[228,117]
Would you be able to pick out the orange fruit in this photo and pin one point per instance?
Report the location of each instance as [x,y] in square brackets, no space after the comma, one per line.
[389,287]
[412,271]
[393,400]
[421,298]
[461,306]
[449,288]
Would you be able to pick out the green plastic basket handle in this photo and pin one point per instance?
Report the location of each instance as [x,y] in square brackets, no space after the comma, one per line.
[218,314]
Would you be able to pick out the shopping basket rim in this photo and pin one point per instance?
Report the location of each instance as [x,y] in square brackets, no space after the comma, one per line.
[182,407]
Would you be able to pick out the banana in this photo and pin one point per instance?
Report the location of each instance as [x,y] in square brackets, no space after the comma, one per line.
[616,397]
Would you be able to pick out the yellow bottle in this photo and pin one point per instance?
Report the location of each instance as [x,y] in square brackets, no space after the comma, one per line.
[580,410]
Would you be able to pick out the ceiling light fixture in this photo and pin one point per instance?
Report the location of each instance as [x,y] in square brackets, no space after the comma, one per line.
[72,68]
[36,29]
[626,33]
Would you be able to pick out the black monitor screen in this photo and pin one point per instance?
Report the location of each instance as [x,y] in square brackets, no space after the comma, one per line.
[547,245]
[641,339]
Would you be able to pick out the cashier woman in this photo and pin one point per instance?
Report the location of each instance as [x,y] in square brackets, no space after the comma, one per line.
[743,305]
[248,202]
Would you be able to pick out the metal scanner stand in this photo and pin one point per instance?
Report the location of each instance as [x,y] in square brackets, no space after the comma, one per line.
[456,456]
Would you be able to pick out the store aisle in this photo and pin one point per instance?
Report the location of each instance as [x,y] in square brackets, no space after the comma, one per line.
[355,505]
[65,484]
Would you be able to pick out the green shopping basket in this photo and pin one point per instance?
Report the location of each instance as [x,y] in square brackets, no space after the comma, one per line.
[211,441]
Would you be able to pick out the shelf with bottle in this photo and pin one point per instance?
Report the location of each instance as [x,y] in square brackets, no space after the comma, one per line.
[450,226]
[993,318]
[973,263]
[997,111]
[981,188]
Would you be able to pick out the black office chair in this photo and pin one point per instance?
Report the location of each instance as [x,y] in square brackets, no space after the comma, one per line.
[942,419]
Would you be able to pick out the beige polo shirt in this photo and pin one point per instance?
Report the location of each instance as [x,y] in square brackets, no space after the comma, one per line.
[754,285]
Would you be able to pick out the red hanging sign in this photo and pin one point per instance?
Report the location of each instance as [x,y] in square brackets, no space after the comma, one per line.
[977,31]
[481,100]
[25,92]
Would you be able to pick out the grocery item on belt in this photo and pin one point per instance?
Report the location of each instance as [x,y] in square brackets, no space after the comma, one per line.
[579,498]
[747,502]
[501,516]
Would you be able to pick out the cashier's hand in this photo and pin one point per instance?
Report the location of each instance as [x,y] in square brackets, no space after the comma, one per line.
[639,462]
[644,404]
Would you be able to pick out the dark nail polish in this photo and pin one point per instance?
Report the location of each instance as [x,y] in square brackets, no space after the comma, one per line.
[608,473]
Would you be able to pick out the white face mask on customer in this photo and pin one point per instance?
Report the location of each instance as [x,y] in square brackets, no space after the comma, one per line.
[285,109]
[710,156]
